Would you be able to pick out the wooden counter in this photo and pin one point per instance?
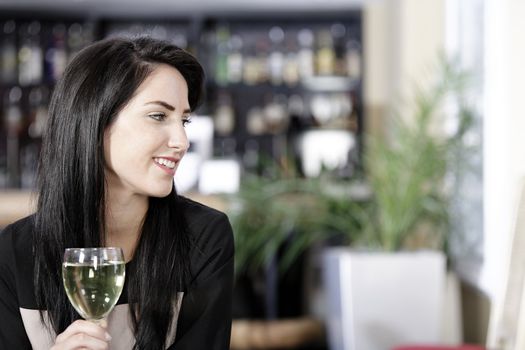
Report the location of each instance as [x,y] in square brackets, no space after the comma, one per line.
[276,334]
[16,204]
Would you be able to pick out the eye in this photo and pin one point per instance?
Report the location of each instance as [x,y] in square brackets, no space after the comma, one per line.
[157,116]
[186,120]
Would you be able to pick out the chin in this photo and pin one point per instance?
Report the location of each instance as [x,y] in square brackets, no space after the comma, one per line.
[160,192]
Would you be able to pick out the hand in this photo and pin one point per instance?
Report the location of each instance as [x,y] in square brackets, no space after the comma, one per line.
[83,335]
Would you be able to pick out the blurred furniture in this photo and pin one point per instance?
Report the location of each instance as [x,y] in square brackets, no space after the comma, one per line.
[16,204]
[275,334]
[507,324]
[507,328]
[376,301]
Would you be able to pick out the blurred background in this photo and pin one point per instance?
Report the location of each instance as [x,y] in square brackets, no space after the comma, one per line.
[368,153]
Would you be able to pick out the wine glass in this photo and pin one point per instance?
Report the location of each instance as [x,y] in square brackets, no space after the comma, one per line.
[93,279]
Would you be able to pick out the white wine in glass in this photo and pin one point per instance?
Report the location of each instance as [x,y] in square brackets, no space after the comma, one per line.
[93,279]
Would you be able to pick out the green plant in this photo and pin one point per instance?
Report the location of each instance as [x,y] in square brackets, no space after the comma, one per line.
[270,213]
[407,207]
[406,172]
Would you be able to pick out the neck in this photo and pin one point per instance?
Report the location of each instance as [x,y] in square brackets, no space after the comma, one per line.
[125,213]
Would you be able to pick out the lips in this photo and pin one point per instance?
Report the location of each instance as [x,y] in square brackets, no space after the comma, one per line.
[168,164]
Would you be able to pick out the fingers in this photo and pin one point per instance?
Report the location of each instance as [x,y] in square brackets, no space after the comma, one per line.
[83,334]
[86,327]
[82,341]
[103,323]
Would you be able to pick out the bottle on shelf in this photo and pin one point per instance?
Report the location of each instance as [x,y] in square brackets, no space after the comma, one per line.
[276,113]
[13,125]
[250,68]
[255,121]
[276,56]
[235,59]
[30,57]
[338,32]
[325,55]
[221,57]
[305,38]
[78,36]
[38,112]
[75,39]
[353,59]
[56,54]
[259,61]
[8,73]
[291,62]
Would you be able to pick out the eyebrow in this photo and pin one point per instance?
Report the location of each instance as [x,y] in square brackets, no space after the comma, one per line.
[166,105]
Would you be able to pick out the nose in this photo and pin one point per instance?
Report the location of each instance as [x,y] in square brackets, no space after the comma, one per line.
[178,139]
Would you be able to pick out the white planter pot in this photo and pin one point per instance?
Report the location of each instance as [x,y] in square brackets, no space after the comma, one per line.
[376,301]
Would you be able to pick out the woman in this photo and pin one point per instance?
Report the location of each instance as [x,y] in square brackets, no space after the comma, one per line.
[114,140]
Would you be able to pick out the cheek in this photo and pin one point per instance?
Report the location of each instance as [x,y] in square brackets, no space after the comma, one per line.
[118,148]
[134,151]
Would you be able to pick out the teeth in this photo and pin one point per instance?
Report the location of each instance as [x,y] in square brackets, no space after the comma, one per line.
[165,162]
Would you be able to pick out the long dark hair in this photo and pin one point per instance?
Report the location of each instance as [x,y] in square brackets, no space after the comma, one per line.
[95,86]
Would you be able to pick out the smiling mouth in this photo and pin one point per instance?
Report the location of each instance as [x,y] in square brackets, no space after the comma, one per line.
[165,162]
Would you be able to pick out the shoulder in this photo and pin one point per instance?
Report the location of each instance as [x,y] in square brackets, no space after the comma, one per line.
[16,238]
[195,211]
[212,236]
[22,225]
[204,222]
[16,258]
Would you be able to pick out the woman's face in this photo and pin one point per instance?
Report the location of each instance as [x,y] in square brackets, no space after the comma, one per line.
[145,143]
